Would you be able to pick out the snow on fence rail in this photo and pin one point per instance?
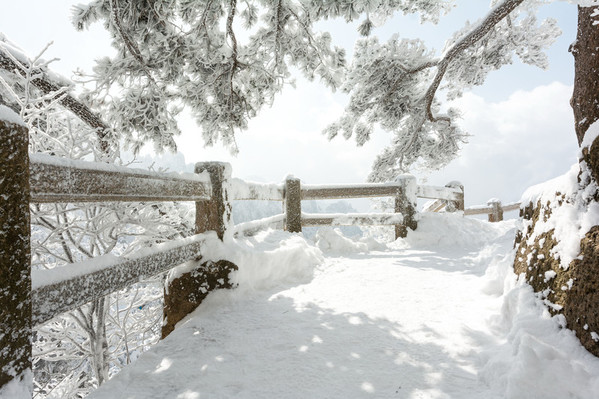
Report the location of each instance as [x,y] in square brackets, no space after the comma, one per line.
[28,299]
[54,179]
[494,209]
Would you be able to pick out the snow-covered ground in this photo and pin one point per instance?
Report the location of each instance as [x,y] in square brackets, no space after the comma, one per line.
[437,315]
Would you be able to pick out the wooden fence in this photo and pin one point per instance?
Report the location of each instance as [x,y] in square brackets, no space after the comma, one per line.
[404,190]
[28,299]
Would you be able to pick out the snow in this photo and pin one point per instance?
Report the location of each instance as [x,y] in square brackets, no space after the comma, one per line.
[19,387]
[571,220]
[10,116]
[590,135]
[438,314]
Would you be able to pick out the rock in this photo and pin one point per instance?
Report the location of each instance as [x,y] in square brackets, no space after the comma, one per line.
[186,293]
[574,292]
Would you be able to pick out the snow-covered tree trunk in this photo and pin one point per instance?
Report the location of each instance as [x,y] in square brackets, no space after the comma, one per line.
[15,262]
[585,98]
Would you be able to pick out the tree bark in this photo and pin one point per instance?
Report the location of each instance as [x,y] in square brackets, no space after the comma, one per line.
[15,261]
[585,98]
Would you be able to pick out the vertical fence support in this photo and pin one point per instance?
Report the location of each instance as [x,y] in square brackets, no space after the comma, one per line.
[405,203]
[496,214]
[15,260]
[185,293]
[457,205]
[293,205]
[214,214]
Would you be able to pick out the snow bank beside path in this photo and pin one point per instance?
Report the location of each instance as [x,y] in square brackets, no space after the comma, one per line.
[265,260]
[537,357]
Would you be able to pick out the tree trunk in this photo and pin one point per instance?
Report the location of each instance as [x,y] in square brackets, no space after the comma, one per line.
[585,98]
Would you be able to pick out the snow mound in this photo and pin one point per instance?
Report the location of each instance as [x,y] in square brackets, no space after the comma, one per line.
[443,230]
[332,240]
[273,257]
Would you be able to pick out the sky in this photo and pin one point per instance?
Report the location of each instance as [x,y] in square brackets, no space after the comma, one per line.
[520,121]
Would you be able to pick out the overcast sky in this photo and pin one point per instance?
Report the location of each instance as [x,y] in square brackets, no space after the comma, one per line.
[520,120]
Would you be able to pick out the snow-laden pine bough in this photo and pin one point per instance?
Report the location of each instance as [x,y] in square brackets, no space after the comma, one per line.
[30,299]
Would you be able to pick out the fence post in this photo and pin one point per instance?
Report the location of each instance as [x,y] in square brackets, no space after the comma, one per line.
[185,293]
[293,205]
[405,203]
[457,205]
[214,214]
[496,214]
[15,260]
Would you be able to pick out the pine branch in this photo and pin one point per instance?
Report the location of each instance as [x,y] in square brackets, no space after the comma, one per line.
[131,46]
[496,15]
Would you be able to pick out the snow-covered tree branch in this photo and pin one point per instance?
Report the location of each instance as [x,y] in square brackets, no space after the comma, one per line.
[226,59]
[396,85]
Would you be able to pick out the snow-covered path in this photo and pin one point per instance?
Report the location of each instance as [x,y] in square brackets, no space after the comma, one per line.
[420,318]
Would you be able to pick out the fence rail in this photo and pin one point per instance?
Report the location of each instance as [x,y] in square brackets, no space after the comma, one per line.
[54,179]
[62,289]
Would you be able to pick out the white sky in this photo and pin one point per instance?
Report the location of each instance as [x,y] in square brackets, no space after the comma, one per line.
[520,120]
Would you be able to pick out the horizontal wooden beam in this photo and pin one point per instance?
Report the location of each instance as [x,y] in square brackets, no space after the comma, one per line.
[372,190]
[478,211]
[254,226]
[242,190]
[434,192]
[54,179]
[65,288]
[350,219]
[483,210]
[511,207]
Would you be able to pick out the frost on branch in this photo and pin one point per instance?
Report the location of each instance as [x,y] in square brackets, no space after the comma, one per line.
[394,85]
[516,34]
[388,84]
[429,10]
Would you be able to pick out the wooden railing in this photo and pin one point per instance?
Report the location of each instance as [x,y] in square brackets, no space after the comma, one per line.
[494,209]
[30,298]
[404,190]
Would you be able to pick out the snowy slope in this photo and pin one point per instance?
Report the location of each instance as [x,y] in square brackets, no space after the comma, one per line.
[437,315]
